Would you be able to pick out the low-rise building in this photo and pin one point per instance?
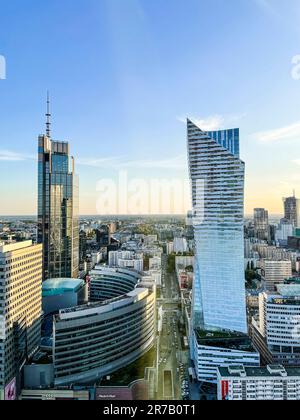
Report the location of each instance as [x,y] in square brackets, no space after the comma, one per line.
[275,272]
[239,383]
[277,332]
[63,293]
[214,349]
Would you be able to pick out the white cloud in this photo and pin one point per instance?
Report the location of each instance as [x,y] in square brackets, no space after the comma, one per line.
[113,162]
[9,156]
[95,162]
[177,162]
[211,123]
[215,122]
[279,134]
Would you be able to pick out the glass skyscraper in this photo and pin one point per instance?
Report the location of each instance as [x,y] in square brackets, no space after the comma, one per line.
[58,224]
[292,210]
[217,178]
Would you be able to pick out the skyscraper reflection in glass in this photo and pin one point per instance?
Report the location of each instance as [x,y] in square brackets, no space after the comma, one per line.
[58,222]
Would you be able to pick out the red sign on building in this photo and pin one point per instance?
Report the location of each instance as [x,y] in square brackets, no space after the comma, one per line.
[225,390]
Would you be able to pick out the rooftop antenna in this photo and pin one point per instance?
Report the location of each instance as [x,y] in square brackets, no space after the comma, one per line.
[48,115]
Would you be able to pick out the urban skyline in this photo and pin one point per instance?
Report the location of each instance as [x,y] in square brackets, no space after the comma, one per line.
[154,261]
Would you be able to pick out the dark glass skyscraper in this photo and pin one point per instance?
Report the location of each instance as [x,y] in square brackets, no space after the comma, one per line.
[292,210]
[58,224]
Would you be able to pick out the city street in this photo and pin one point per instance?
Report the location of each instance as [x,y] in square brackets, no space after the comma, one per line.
[172,357]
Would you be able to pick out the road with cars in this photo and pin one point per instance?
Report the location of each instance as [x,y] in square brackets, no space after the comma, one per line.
[171,355]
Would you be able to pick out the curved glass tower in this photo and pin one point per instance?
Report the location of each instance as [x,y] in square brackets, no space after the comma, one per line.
[217,178]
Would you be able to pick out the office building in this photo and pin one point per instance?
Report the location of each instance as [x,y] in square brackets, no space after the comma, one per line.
[103,235]
[261,224]
[237,383]
[217,176]
[213,349]
[107,283]
[20,310]
[63,293]
[155,263]
[284,231]
[219,299]
[180,245]
[95,340]
[58,227]
[126,259]
[292,210]
[276,334]
[275,272]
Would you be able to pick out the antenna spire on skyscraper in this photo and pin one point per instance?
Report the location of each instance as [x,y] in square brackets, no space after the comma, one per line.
[48,115]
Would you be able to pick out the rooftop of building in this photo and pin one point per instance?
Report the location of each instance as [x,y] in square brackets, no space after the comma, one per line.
[292,280]
[289,290]
[268,371]
[96,308]
[10,246]
[53,287]
[224,339]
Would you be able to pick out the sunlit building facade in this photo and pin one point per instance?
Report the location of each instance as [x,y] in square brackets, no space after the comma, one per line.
[20,310]
[58,227]
[217,177]
[218,321]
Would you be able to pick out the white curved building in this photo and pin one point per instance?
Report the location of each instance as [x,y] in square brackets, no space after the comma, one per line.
[107,283]
[97,339]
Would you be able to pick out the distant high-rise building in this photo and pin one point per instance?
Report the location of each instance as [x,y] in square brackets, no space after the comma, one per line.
[82,245]
[261,224]
[284,231]
[103,235]
[219,326]
[20,309]
[292,210]
[275,272]
[58,226]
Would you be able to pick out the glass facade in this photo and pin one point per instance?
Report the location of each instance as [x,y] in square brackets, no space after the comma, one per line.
[217,178]
[58,218]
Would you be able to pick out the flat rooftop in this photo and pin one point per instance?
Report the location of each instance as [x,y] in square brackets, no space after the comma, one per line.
[14,246]
[289,290]
[257,372]
[53,287]
[224,339]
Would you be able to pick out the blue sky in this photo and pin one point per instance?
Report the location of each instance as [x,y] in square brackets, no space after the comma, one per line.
[123,76]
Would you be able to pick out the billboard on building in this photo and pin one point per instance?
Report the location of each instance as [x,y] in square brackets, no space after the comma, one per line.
[10,392]
[225,390]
